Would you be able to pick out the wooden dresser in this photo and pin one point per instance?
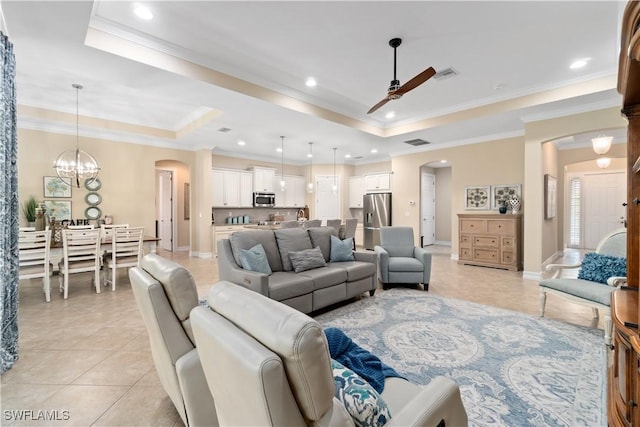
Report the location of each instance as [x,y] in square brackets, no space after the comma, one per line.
[490,240]
[623,383]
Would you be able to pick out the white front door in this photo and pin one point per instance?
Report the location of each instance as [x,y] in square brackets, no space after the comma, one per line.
[604,194]
[164,207]
[327,201]
[428,209]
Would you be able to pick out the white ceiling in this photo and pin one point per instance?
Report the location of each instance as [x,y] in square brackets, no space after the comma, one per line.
[512,57]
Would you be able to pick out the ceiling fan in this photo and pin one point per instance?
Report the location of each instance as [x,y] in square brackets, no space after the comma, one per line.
[396,91]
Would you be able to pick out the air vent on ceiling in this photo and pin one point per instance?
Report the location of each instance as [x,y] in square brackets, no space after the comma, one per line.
[224,130]
[417,142]
[357,157]
[445,74]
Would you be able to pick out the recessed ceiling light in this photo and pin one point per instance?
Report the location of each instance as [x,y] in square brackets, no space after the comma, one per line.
[579,63]
[309,155]
[390,115]
[279,150]
[311,82]
[374,151]
[242,143]
[347,155]
[143,12]
[443,161]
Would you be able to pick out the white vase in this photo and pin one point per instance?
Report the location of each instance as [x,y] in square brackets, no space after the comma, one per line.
[514,202]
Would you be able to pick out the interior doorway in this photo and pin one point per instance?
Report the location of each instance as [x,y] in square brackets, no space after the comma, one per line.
[604,194]
[428,208]
[164,208]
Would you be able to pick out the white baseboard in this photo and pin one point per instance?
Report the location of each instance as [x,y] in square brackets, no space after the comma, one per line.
[183,248]
[204,255]
[442,243]
[531,275]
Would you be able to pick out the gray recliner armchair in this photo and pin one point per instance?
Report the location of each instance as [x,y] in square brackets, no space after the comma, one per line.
[166,293]
[399,260]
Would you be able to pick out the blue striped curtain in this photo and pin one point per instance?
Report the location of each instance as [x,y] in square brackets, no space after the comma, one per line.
[9,212]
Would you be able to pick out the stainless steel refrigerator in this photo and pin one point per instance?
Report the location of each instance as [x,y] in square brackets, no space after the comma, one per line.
[376,214]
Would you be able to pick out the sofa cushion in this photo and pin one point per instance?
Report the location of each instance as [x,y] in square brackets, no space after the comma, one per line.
[587,289]
[326,277]
[248,239]
[321,236]
[291,240]
[307,259]
[341,250]
[366,407]
[356,270]
[255,259]
[405,264]
[598,267]
[284,285]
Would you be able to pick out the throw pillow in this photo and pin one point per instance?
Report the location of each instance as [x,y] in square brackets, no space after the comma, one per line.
[598,268]
[362,402]
[341,250]
[307,259]
[255,259]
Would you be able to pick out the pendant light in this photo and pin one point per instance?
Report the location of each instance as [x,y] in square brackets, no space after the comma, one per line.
[282,183]
[76,164]
[601,144]
[310,155]
[334,188]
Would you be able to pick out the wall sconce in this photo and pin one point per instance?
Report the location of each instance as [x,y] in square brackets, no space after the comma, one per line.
[601,144]
[603,162]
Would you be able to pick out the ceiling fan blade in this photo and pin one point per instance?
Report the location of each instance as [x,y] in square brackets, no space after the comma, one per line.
[378,105]
[416,81]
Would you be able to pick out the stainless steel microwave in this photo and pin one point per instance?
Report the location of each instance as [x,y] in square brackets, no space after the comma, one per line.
[264,200]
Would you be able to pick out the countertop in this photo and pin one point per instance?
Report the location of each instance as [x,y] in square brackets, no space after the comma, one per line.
[252,226]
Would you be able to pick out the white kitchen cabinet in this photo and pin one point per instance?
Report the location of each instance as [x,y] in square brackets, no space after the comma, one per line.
[293,195]
[231,188]
[264,179]
[224,232]
[377,182]
[359,236]
[356,191]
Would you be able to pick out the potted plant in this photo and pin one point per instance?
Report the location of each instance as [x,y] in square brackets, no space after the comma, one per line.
[29,210]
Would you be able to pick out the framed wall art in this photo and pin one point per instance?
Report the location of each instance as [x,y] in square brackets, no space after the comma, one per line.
[477,197]
[55,186]
[550,196]
[504,192]
[58,209]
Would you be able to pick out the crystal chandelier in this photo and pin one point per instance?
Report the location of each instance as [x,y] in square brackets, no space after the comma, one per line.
[76,164]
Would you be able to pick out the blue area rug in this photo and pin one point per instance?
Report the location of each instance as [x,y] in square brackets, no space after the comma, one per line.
[513,369]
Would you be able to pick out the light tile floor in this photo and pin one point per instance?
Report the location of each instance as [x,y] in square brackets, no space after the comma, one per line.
[89,355]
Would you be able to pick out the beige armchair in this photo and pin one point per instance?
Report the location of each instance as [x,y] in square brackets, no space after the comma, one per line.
[268,364]
[165,293]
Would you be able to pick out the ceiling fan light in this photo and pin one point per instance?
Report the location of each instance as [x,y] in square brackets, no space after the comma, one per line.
[603,162]
[601,144]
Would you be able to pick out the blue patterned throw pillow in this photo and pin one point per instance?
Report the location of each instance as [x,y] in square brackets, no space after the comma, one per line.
[341,250]
[598,268]
[362,402]
[255,259]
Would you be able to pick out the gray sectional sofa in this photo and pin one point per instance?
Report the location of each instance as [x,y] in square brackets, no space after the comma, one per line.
[306,291]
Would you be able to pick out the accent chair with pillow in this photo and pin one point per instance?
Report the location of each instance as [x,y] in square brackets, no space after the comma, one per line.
[268,364]
[601,272]
[399,260]
[166,293]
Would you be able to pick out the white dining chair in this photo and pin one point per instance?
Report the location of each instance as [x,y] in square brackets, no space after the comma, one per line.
[81,227]
[80,254]
[125,252]
[34,249]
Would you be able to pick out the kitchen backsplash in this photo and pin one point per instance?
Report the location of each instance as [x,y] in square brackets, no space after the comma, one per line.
[219,215]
